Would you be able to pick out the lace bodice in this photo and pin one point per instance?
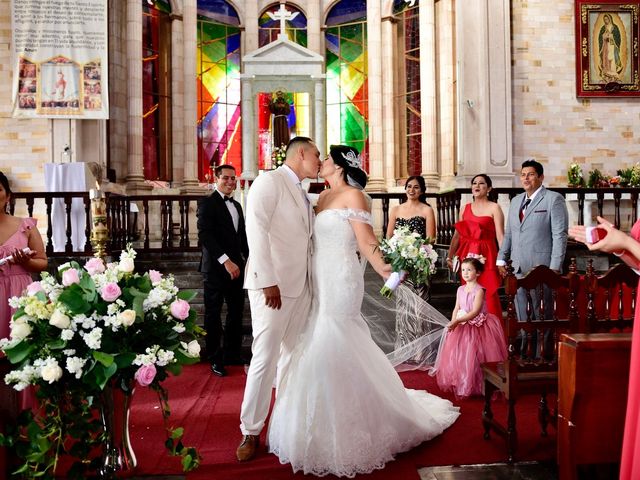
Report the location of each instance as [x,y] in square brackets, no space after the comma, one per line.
[336,263]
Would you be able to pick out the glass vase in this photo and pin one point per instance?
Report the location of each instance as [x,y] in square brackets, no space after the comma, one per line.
[118,458]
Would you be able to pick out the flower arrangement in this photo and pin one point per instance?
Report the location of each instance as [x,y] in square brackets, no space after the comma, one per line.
[98,326]
[410,256]
[597,179]
[574,176]
[278,156]
[630,177]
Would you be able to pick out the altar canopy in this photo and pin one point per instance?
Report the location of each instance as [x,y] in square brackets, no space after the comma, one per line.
[59,57]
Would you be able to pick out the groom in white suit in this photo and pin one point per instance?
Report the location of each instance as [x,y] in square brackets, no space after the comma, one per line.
[278,278]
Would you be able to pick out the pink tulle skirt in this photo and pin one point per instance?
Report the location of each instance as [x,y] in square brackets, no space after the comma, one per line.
[457,368]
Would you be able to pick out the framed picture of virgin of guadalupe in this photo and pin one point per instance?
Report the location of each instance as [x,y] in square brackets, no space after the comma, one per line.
[607,48]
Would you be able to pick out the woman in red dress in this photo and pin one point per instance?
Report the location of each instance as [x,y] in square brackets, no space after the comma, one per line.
[479,234]
[628,249]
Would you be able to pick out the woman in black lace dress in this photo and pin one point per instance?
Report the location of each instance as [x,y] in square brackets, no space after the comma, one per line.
[417,215]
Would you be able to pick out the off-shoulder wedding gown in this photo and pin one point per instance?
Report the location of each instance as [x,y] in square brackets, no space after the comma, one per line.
[341,408]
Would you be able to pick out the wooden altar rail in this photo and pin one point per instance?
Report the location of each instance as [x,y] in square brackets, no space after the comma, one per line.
[174,215]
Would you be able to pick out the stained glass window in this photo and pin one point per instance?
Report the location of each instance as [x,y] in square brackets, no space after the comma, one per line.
[409,42]
[156,89]
[218,86]
[347,90]
[269,29]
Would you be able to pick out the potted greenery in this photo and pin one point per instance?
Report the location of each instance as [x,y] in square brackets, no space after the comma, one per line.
[574,176]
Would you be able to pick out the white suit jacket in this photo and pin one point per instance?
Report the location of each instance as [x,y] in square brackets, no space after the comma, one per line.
[279,229]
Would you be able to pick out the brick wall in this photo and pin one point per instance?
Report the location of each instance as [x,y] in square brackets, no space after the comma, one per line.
[549,122]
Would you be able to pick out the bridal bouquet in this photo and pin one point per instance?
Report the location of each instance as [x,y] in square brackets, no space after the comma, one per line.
[411,257]
[96,327]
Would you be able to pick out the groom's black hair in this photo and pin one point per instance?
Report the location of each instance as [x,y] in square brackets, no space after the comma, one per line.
[295,141]
[532,163]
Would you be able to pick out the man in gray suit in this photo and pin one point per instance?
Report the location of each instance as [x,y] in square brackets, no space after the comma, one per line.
[536,232]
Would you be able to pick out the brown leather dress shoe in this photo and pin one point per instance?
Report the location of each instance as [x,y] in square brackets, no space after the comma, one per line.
[247,449]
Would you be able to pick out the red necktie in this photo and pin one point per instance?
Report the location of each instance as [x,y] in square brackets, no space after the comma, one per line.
[524,208]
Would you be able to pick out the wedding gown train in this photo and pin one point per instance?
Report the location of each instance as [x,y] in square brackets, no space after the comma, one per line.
[341,408]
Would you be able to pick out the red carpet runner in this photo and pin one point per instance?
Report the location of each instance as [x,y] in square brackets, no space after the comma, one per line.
[209,408]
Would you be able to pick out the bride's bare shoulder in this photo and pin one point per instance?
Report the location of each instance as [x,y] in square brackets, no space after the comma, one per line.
[356,199]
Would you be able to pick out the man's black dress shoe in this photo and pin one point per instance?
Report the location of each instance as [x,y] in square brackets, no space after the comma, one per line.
[218,369]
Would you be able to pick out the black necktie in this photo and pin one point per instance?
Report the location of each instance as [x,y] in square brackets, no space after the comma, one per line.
[524,208]
[228,199]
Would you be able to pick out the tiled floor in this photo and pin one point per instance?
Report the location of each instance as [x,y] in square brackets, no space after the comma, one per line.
[518,471]
[498,471]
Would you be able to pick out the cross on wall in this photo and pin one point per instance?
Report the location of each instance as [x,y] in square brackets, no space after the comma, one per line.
[283,15]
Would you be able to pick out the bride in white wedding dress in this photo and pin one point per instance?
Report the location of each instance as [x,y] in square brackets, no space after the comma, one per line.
[342,408]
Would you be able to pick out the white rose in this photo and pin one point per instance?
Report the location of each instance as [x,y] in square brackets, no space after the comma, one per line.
[127,317]
[51,372]
[20,330]
[60,320]
[193,348]
[126,265]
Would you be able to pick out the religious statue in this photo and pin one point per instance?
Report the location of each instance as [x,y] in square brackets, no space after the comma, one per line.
[60,86]
[280,109]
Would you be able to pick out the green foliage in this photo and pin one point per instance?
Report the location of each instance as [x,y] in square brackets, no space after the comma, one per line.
[575,177]
[100,325]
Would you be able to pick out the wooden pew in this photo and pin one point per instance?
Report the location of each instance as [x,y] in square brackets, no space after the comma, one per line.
[531,366]
[592,399]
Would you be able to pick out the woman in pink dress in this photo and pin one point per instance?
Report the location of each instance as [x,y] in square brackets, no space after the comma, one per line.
[16,234]
[479,233]
[472,337]
[628,249]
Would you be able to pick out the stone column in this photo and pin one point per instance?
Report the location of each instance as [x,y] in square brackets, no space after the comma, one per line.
[249,158]
[135,177]
[177,97]
[190,127]
[313,27]
[319,116]
[484,91]
[374,60]
[388,110]
[446,92]
[251,25]
[428,112]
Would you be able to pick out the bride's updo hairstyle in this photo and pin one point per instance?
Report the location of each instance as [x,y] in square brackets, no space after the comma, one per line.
[351,162]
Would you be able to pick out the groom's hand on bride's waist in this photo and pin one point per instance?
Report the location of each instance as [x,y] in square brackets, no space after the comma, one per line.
[272,297]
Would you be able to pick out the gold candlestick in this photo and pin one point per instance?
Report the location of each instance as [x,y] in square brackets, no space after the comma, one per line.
[99,230]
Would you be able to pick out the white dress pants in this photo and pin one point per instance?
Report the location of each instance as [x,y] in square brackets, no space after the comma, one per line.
[275,334]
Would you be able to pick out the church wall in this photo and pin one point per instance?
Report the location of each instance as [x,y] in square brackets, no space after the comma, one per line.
[549,123]
[25,144]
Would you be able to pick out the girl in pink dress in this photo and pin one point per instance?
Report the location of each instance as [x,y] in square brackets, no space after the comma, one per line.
[472,337]
[15,235]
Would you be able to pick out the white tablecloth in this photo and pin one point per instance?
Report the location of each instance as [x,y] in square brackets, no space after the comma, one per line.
[68,177]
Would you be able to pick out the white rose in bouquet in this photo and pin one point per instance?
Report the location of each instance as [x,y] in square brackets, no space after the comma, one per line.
[59,319]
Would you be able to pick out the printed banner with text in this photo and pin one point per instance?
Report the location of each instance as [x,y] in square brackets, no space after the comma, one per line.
[60,63]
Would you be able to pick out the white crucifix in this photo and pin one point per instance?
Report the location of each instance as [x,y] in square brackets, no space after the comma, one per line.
[283,15]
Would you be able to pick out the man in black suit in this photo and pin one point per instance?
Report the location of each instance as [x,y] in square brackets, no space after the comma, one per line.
[222,235]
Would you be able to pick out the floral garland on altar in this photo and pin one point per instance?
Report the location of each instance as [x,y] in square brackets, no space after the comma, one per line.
[101,325]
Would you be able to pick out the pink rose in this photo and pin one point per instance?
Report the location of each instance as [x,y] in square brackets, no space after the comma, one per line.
[155,276]
[110,291]
[34,288]
[70,276]
[95,265]
[145,375]
[180,309]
